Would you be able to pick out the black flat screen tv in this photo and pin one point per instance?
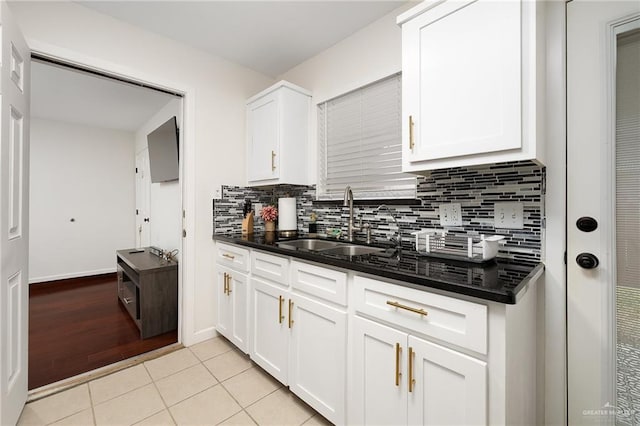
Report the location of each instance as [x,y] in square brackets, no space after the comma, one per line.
[163,152]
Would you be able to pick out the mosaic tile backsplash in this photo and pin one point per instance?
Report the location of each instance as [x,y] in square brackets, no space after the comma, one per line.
[475,188]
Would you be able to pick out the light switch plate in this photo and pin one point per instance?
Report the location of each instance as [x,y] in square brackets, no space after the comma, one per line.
[217,193]
[451,214]
[257,208]
[508,215]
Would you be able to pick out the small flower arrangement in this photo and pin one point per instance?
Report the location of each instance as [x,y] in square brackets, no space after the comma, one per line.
[269,213]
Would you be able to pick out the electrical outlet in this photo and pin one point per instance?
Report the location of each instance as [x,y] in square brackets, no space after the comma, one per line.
[450,214]
[257,208]
[508,215]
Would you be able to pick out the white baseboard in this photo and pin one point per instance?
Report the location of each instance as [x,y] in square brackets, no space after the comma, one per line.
[71,275]
[199,336]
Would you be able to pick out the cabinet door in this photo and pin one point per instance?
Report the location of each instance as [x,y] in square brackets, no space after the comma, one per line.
[318,353]
[263,138]
[270,337]
[379,382]
[225,305]
[238,293]
[450,388]
[461,81]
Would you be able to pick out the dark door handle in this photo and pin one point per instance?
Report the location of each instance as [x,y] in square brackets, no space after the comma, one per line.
[587,261]
[146,219]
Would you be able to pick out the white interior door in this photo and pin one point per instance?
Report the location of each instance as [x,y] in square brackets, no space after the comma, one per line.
[14,226]
[598,170]
[143,190]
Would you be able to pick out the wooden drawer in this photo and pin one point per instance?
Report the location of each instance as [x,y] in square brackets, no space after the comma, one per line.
[323,283]
[273,268]
[233,257]
[448,319]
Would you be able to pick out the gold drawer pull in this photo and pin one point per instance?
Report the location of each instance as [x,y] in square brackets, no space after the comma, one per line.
[398,373]
[273,159]
[228,256]
[407,308]
[226,283]
[412,381]
[280,316]
[411,142]
[290,313]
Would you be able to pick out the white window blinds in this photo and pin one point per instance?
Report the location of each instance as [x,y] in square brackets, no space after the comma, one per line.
[359,137]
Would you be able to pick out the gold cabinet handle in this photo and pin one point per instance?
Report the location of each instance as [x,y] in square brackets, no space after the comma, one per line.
[411,142]
[229,278]
[226,282]
[280,316]
[412,381]
[398,373]
[407,308]
[228,256]
[290,313]
[273,160]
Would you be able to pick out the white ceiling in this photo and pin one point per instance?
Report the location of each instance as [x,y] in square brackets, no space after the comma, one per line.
[268,36]
[76,97]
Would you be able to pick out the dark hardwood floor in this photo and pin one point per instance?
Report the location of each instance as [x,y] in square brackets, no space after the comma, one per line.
[78,325]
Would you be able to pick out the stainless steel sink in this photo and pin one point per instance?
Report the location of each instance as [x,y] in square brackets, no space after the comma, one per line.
[353,250]
[309,244]
[329,247]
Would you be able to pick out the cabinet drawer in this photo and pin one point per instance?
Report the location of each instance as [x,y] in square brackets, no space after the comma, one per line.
[324,283]
[274,268]
[448,319]
[128,296]
[233,257]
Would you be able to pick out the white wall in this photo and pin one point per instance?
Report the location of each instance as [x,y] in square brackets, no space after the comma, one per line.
[214,120]
[368,55]
[165,198]
[84,173]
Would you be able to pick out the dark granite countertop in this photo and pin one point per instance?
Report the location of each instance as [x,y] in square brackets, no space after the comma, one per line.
[499,280]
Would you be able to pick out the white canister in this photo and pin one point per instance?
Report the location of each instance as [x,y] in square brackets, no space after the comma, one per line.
[287,218]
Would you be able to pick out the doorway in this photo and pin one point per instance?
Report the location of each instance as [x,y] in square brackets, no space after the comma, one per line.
[87,132]
[603,236]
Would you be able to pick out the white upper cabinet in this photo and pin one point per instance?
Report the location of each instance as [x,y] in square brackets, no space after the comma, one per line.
[470,90]
[278,135]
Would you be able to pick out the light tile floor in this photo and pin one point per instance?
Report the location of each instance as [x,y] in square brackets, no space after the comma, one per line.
[209,383]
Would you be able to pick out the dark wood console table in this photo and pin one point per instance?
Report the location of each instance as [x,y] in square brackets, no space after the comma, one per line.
[148,289]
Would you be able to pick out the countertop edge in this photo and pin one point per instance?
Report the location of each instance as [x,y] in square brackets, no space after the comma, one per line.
[509,297]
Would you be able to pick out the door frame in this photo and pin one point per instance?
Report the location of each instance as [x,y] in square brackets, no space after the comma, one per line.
[186,275]
[606,372]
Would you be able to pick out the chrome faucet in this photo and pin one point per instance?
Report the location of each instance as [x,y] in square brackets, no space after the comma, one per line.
[399,241]
[348,202]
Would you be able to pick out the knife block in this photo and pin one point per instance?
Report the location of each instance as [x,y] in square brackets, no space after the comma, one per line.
[247,224]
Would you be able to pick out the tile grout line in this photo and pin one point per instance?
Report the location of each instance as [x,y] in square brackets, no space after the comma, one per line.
[155,385]
[118,396]
[93,412]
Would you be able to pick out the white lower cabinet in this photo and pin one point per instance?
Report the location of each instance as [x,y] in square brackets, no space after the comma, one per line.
[366,351]
[270,325]
[318,356]
[402,379]
[299,339]
[379,387]
[449,387]
[233,320]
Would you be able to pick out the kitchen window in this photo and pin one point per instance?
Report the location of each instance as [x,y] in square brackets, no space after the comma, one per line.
[359,137]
